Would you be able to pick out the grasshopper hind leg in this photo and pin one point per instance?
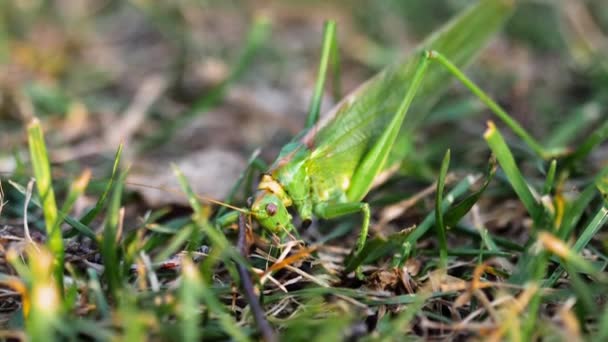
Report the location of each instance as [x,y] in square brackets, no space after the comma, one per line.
[333,210]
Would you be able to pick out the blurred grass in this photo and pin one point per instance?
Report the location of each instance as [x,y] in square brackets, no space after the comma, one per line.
[118,269]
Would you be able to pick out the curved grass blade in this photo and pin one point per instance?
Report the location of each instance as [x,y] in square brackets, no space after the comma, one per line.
[42,173]
[507,162]
[74,223]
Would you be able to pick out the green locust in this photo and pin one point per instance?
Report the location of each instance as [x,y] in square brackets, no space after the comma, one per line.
[327,169]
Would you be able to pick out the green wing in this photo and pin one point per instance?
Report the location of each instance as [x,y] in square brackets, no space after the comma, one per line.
[340,142]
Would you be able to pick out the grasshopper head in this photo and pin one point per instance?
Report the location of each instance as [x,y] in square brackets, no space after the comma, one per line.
[270,211]
[270,206]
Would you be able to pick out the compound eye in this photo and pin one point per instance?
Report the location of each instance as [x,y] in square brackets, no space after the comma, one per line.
[271,209]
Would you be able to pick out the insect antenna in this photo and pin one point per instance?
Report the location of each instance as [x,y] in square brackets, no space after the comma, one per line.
[181,193]
[172,191]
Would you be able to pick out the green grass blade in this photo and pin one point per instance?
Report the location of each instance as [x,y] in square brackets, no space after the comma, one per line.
[189,297]
[192,198]
[592,229]
[217,308]
[110,242]
[448,200]
[441,229]
[172,246]
[101,303]
[200,216]
[576,209]
[91,214]
[76,190]
[459,41]
[44,317]
[598,221]
[507,162]
[42,173]
[550,179]
[329,41]
[74,223]
[582,291]
[602,334]
[336,69]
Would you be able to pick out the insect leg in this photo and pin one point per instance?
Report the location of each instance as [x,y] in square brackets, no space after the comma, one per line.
[332,210]
[488,101]
[328,54]
[374,160]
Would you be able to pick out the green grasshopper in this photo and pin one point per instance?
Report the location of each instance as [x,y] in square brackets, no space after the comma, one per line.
[327,170]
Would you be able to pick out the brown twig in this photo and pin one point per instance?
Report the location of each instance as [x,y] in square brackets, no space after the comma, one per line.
[247,285]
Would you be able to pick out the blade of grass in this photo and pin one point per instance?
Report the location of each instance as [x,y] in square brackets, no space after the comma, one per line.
[86,231]
[582,291]
[192,198]
[91,214]
[132,320]
[597,222]
[591,230]
[574,212]
[200,216]
[189,298]
[217,308]
[174,245]
[429,220]
[550,179]
[516,179]
[42,173]
[602,334]
[441,229]
[45,314]
[110,244]
[329,40]
[76,190]
[101,304]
